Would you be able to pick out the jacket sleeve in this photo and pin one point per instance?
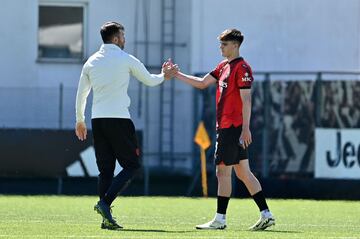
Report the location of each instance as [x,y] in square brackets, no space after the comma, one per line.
[138,70]
[83,91]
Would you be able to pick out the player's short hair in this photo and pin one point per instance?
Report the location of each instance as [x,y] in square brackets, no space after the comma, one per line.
[109,29]
[231,35]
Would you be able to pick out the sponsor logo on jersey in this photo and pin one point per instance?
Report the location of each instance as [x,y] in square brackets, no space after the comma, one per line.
[223,84]
[246,77]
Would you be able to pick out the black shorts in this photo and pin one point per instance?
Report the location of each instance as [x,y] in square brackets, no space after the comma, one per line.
[115,139]
[228,150]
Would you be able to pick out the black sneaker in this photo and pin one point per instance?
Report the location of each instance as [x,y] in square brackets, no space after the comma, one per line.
[110,225]
[104,210]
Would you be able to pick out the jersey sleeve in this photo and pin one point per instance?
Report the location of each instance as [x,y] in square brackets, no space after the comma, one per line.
[244,77]
[216,72]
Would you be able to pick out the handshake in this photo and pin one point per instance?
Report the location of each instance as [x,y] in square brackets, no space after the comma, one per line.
[169,69]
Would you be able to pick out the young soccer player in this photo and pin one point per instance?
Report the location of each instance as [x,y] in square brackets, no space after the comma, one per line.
[233,78]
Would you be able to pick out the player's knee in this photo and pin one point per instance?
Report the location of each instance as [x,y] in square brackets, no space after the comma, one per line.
[136,167]
[223,178]
[106,171]
[106,174]
[221,174]
[240,177]
[244,176]
[132,170]
[133,165]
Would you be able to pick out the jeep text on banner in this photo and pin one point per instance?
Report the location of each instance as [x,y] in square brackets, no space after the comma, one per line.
[337,153]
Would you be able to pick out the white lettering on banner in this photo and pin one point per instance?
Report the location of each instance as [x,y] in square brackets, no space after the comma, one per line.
[337,153]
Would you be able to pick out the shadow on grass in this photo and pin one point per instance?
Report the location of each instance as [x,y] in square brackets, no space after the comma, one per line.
[154,230]
[279,231]
[194,231]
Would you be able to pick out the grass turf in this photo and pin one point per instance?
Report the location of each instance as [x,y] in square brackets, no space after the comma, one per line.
[161,217]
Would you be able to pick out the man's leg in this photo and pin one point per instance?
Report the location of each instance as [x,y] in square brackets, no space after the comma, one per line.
[223,174]
[125,147]
[122,138]
[243,172]
[106,165]
[105,160]
[120,183]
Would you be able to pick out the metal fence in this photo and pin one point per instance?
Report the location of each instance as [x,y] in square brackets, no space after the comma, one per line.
[53,108]
[287,107]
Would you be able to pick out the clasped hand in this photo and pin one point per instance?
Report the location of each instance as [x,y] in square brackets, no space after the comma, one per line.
[169,69]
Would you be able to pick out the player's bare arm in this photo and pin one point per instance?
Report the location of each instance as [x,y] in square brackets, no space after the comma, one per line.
[197,82]
[245,136]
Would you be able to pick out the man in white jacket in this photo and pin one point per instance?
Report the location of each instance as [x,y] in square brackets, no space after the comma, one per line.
[107,73]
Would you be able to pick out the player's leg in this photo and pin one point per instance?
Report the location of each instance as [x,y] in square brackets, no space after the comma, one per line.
[225,157]
[105,160]
[223,174]
[121,135]
[244,173]
[125,146]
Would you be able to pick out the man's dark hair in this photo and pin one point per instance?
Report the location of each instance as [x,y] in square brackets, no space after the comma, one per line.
[109,29]
[232,35]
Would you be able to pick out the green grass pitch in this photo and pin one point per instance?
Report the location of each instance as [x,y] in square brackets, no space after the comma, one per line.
[162,217]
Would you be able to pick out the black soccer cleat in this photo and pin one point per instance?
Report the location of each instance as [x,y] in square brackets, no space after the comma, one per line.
[110,225]
[104,210]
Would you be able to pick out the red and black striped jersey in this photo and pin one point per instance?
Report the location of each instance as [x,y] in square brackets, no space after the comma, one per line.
[231,77]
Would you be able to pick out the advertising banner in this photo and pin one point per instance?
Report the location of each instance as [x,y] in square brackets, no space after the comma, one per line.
[337,153]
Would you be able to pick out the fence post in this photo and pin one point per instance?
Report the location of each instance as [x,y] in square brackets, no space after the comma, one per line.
[61,96]
[146,144]
[196,120]
[265,141]
[194,161]
[318,99]
[59,185]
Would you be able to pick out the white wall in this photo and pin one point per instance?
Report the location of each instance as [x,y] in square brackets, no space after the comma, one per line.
[280,35]
[18,36]
[18,43]
[29,89]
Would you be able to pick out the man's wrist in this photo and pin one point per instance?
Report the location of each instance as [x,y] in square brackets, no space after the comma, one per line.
[166,77]
[245,126]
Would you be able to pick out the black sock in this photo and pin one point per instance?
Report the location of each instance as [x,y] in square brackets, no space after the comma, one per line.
[119,183]
[222,203]
[259,199]
[104,183]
